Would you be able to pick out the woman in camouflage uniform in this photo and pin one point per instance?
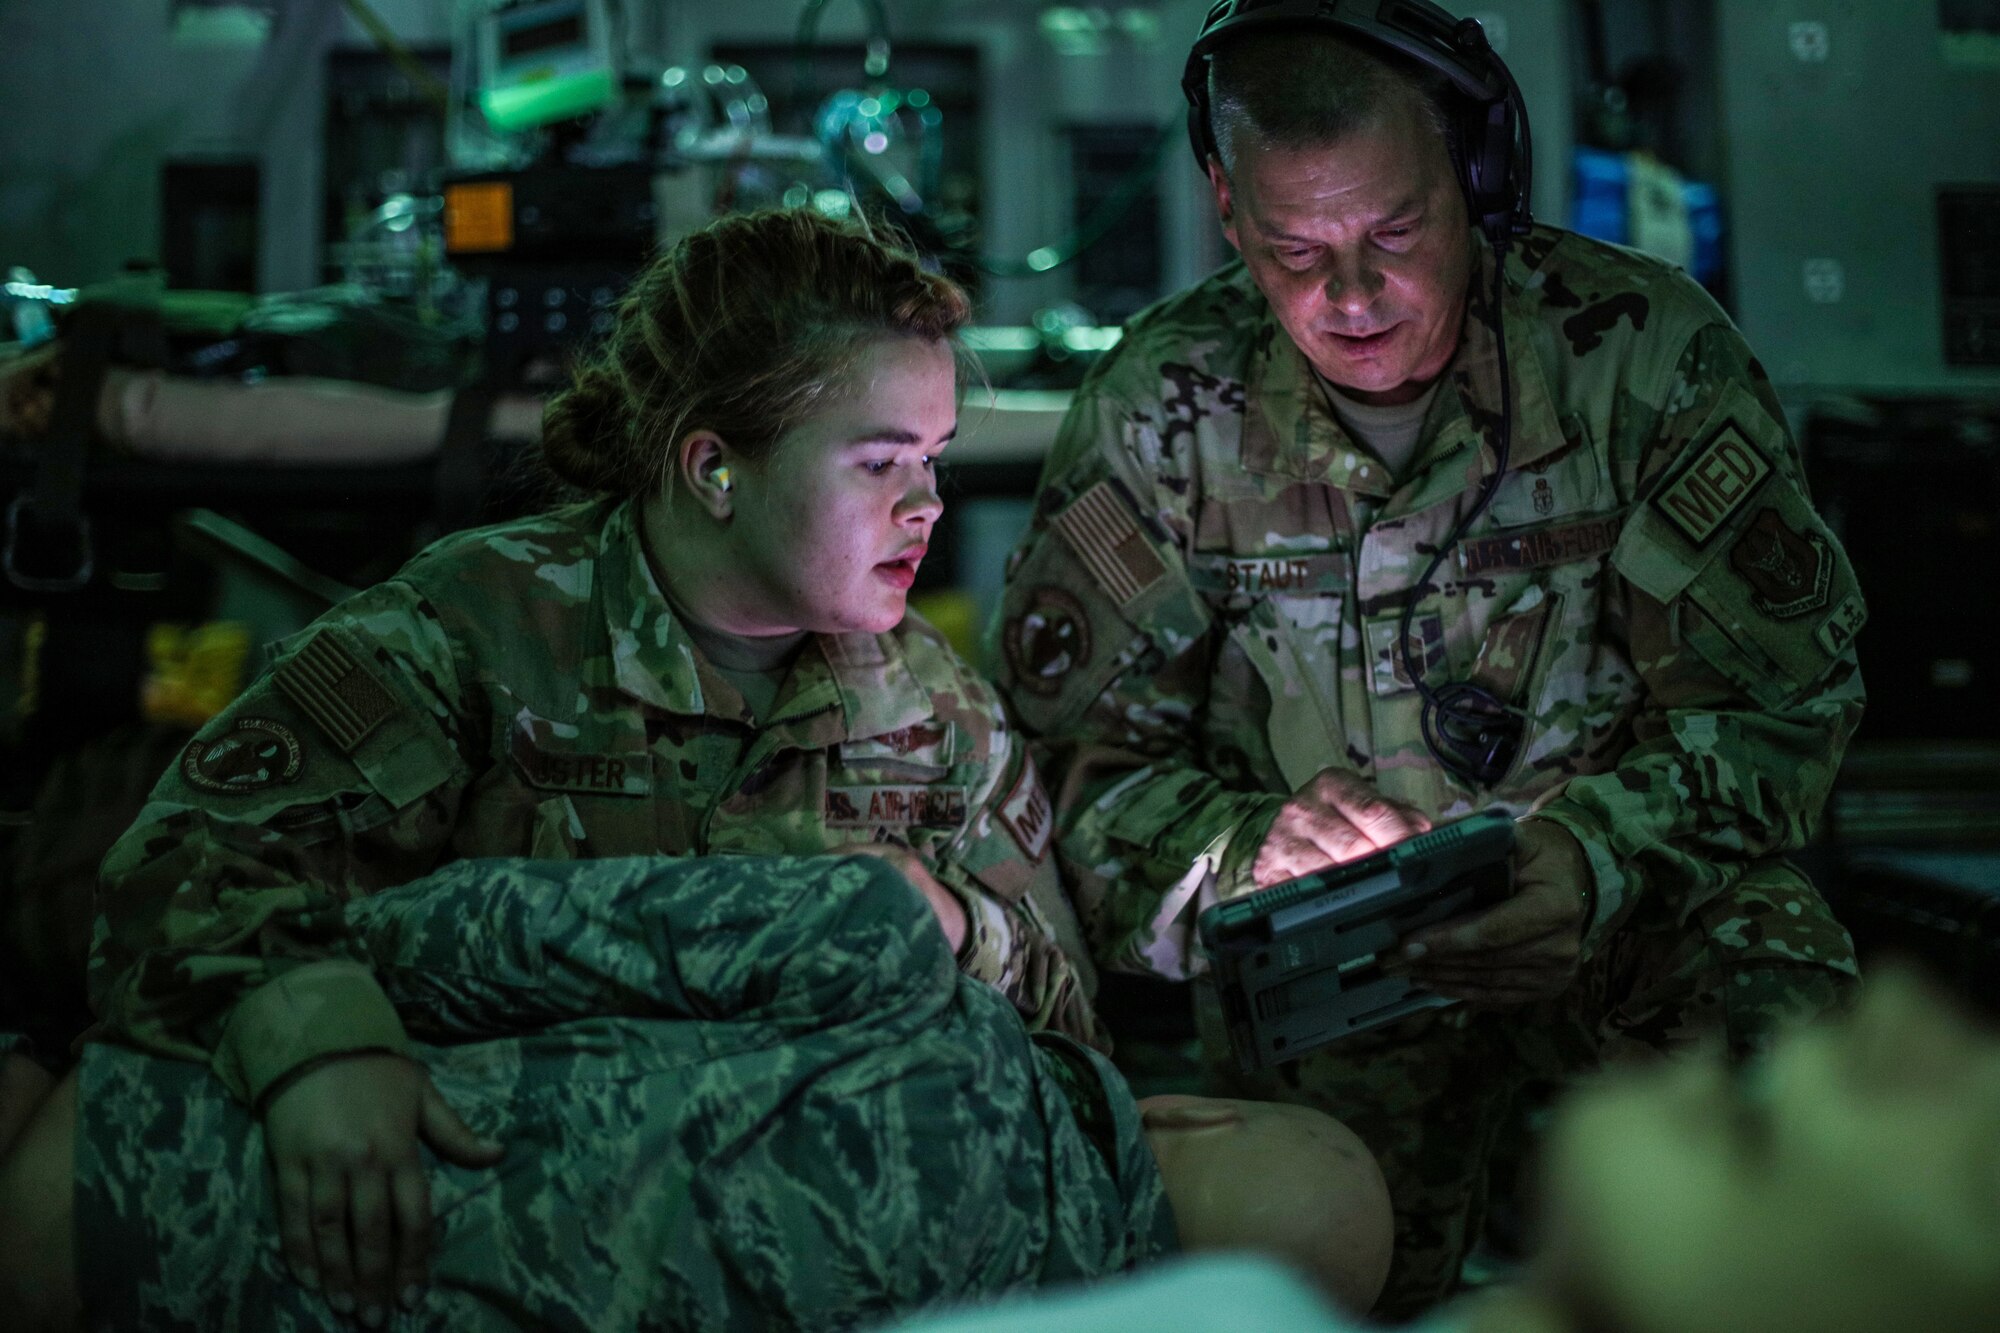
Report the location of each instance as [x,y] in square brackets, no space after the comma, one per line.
[707,655]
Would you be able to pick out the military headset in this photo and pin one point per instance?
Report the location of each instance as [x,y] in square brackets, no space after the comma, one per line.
[1471,732]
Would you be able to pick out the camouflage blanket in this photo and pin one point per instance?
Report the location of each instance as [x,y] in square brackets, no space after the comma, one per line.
[736,1093]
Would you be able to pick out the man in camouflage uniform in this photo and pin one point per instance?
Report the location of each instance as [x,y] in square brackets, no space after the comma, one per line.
[1203,627]
[743,1093]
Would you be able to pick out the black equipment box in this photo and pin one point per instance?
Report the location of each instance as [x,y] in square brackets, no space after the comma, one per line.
[557,247]
[1298,964]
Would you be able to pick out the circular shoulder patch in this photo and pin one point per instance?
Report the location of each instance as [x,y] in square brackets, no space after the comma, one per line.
[254,754]
[1048,640]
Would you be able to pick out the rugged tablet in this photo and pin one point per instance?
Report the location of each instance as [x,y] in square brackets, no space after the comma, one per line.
[1299,964]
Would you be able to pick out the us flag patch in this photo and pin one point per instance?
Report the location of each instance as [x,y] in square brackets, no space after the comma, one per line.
[326,684]
[1100,528]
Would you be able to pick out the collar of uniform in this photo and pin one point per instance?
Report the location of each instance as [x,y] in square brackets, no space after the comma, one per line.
[846,687]
[860,682]
[1467,416]
[1288,429]
[878,691]
[652,657]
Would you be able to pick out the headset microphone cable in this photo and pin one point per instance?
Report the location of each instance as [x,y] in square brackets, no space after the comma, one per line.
[1465,726]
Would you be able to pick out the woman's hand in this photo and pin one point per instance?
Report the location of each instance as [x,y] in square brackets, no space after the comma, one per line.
[950,912]
[354,1204]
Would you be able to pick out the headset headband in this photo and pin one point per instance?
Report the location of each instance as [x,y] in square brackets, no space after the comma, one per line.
[1491,147]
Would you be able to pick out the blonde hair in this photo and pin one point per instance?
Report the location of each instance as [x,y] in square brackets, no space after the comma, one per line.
[743,328]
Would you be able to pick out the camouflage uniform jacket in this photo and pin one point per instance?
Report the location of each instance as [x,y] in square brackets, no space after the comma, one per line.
[525,690]
[1205,611]
[736,1093]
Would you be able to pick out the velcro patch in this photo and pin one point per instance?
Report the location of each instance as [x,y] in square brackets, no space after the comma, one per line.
[1714,486]
[1582,540]
[1027,814]
[334,692]
[1837,631]
[920,743]
[1262,575]
[1100,528]
[586,774]
[1390,671]
[253,754]
[1048,640]
[916,805]
[1789,571]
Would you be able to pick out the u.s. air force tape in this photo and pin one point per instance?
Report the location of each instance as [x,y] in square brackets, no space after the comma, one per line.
[333,690]
[1541,547]
[1100,528]
[911,804]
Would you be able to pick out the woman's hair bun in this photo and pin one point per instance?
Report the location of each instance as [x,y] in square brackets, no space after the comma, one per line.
[583,431]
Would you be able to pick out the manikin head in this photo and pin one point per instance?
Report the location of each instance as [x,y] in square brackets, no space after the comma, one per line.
[775,389]
[1848,1183]
[1283,1181]
[1334,181]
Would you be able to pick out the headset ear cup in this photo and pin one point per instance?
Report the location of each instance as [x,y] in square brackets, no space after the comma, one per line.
[1488,153]
[1468,144]
[1198,132]
[1194,87]
[1454,146]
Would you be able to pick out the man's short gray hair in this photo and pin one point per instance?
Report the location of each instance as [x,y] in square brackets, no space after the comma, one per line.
[1304,89]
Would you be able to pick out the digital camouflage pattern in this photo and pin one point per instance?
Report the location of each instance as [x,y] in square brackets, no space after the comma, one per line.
[525,690]
[742,1093]
[1205,614]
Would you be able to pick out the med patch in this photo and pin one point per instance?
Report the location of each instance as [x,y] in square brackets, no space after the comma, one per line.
[1026,813]
[1715,485]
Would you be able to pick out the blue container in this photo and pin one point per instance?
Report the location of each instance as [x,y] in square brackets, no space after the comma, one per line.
[1598,202]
